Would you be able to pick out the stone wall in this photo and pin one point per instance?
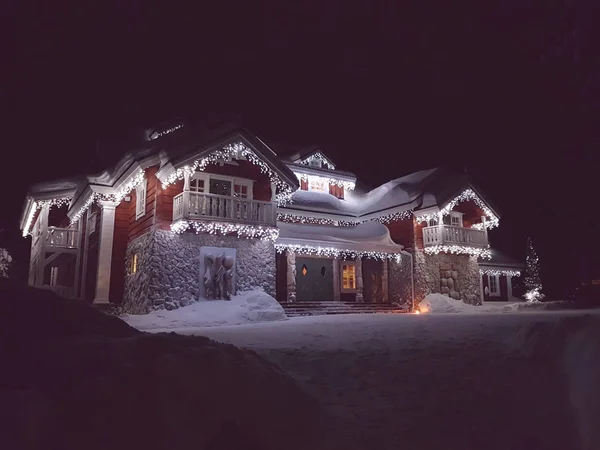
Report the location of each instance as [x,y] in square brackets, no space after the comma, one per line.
[400,281]
[452,275]
[168,274]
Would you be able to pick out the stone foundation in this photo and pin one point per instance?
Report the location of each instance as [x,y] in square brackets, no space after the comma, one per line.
[456,276]
[168,268]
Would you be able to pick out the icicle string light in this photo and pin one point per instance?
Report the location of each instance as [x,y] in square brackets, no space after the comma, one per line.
[401,215]
[317,179]
[498,272]
[293,218]
[234,151]
[459,250]
[223,228]
[159,134]
[331,252]
[117,197]
[468,194]
[39,204]
[318,156]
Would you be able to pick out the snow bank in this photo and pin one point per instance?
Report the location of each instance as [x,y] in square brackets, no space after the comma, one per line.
[438,303]
[247,307]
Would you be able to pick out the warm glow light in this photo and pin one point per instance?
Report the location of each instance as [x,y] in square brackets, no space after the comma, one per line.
[417,312]
[318,183]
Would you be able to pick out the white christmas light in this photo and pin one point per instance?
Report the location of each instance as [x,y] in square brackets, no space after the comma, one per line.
[459,250]
[317,179]
[234,151]
[331,252]
[394,216]
[38,204]
[117,197]
[292,218]
[505,272]
[223,228]
[466,195]
[159,134]
[317,156]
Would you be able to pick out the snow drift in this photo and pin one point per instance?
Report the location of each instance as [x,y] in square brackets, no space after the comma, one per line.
[247,307]
[439,303]
[85,380]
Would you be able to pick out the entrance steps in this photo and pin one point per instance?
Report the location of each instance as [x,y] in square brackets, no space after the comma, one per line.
[312,308]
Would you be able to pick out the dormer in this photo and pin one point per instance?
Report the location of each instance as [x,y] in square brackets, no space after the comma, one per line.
[316,172]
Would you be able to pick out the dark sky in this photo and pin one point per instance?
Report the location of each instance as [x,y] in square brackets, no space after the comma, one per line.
[386,88]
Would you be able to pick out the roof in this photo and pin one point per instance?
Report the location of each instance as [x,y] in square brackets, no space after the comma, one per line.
[500,259]
[365,237]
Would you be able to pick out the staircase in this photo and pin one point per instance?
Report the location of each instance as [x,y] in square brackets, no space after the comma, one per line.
[329,307]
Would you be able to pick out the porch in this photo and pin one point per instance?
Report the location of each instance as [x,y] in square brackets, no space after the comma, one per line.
[196,205]
[454,235]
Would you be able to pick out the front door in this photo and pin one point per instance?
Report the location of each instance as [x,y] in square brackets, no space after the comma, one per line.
[220,187]
[314,279]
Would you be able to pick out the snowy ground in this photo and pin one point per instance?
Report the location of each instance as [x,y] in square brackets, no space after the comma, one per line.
[442,381]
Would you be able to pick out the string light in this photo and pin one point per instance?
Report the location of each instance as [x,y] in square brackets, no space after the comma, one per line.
[318,156]
[223,228]
[235,151]
[293,218]
[459,250]
[159,134]
[466,195]
[331,252]
[117,197]
[497,272]
[317,179]
[39,204]
[401,215]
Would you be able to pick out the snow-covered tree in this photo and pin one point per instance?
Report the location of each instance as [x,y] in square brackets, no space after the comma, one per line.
[5,260]
[533,281]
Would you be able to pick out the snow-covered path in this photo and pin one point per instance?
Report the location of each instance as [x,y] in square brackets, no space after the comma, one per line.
[451,381]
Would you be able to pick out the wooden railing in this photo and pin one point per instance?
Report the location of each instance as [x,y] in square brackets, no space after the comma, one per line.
[453,235]
[62,237]
[212,206]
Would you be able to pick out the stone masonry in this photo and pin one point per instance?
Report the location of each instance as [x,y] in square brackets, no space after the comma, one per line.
[168,268]
[456,276]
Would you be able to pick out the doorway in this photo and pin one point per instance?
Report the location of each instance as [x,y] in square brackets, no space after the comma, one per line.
[314,279]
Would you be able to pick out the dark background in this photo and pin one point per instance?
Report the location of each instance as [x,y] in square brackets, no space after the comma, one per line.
[507,89]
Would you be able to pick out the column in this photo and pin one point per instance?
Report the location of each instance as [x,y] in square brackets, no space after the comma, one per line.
[273,192]
[481,287]
[291,276]
[336,279]
[485,233]
[105,247]
[384,281]
[186,194]
[359,281]
[508,288]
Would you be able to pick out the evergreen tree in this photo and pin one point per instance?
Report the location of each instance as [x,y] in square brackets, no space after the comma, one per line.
[533,281]
[5,260]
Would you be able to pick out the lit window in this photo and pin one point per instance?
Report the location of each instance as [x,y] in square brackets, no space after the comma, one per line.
[348,276]
[134,263]
[493,279]
[317,184]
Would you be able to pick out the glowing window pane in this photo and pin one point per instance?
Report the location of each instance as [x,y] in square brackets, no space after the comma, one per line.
[349,276]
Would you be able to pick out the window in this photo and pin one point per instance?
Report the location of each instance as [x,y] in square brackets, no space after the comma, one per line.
[221,185]
[315,162]
[317,184]
[134,263]
[456,219]
[197,185]
[432,222]
[240,190]
[348,276]
[54,276]
[493,282]
[337,191]
[140,199]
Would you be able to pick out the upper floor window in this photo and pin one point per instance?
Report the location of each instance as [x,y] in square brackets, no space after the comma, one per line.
[455,219]
[222,185]
[197,185]
[140,199]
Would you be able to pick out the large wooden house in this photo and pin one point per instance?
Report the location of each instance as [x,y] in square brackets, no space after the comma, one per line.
[138,234]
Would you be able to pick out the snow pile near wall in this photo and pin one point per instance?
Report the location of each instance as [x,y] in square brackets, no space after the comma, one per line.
[438,303]
[116,388]
[246,307]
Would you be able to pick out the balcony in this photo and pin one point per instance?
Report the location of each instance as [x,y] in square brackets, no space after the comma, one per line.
[62,237]
[454,235]
[203,206]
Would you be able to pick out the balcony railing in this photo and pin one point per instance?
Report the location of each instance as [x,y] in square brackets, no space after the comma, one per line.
[61,237]
[213,207]
[453,235]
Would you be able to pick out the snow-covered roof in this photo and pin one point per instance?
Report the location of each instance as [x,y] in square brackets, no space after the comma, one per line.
[500,259]
[365,237]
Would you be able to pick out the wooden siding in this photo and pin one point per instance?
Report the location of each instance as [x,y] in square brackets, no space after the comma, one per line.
[402,232]
[472,213]
[164,204]
[137,227]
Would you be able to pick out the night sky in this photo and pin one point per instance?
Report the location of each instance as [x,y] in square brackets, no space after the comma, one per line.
[386,89]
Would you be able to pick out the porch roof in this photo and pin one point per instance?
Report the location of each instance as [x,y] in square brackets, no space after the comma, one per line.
[365,237]
[500,259]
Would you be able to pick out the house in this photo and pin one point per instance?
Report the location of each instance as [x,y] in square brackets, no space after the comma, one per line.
[194,212]
[496,276]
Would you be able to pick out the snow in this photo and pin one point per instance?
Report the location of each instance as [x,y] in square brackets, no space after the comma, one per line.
[452,381]
[246,307]
[438,303]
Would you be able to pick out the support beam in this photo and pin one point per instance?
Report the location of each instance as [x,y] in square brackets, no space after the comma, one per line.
[509,288]
[337,282]
[359,281]
[105,246]
[384,281]
[291,276]
[481,287]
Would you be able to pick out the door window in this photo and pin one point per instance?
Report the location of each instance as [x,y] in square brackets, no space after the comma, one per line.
[220,187]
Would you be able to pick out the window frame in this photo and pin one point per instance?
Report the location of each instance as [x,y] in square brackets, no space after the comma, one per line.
[239,181]
[140,199]
[456,215]
[348,289]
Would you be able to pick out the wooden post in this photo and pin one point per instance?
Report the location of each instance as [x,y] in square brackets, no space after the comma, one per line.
[186,195]
[78,258]
[508,287]
[105,246]
[336,279]
[291,276]
[39,279]
[440,229]
[85,252]
[485,233]
[481,287]
[384,281]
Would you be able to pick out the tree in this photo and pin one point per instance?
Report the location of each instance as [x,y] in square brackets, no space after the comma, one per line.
[5,260]
[533,282]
